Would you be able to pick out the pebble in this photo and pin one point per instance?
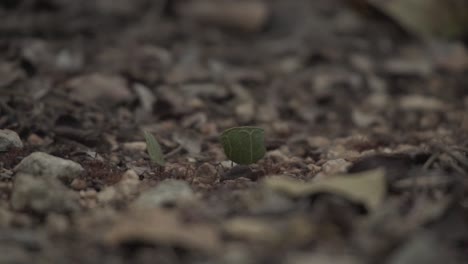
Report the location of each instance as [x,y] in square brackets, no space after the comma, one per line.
[124,189]
[96,87]
[6,217]
[9,139]
[57,224]
[421,103]
[41,164]
[42,194]
[40,184]
[78,184]
[206,174]
[335,166]
[245,112]
[168,192]
[36,140]
[138,146]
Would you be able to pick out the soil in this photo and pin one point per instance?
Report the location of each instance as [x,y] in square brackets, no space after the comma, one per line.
[337,86]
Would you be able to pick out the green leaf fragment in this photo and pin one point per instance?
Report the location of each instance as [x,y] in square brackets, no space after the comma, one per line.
[244,145]
[154,149]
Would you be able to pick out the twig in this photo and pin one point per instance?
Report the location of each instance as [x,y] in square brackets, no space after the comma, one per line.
[431,160]
[173,152]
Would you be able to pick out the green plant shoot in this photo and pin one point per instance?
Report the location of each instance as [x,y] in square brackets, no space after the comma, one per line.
[244,145]
[154,149]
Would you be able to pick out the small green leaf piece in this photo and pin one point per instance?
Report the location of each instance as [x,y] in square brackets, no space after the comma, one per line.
[154,149]
[244,145]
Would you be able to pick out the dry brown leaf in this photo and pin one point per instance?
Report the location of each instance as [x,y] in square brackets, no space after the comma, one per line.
[367,188]
[163,227]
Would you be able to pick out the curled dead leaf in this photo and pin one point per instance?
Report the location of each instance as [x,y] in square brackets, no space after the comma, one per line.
[366,188]
[162,227]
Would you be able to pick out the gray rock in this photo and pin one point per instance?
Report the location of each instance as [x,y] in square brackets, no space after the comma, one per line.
[9,139]
[42,194]
[43,165]
[40,184]
[168,192]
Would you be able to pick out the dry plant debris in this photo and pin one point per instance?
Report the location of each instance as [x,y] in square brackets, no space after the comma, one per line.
[363,105]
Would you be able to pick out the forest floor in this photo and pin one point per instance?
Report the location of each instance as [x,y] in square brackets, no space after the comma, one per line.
[366,133]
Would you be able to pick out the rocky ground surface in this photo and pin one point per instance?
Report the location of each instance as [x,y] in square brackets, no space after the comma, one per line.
[366,132]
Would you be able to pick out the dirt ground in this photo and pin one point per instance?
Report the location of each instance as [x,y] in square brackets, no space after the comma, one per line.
[338,87]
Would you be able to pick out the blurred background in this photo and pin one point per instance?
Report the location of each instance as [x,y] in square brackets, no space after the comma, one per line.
[340,86]
[316,66]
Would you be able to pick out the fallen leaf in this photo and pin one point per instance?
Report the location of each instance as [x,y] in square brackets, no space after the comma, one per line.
[154,149]
[244,145]
[163,227]
[367,188]
[393,222]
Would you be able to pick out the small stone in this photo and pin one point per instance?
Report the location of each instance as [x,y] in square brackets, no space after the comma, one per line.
[9,139]
[42,194]
[421,103]
[206,174]
[57,224]
[277,156]
[281,128]
[362,63]
[168,192]
[363,119]
[98,88]
[318,142]
[88,194]
[245,112]
[313,168]
[335,166]
[138,146]
[22,220]
[9,73]
[267,113]
[130,175]
[339,151]
[107,195]
[41,164]
[408,67]
[126,188]
[6,217]
[35,140]
[78,184]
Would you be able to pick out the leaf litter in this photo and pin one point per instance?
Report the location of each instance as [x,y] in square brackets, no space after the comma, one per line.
[365,151]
